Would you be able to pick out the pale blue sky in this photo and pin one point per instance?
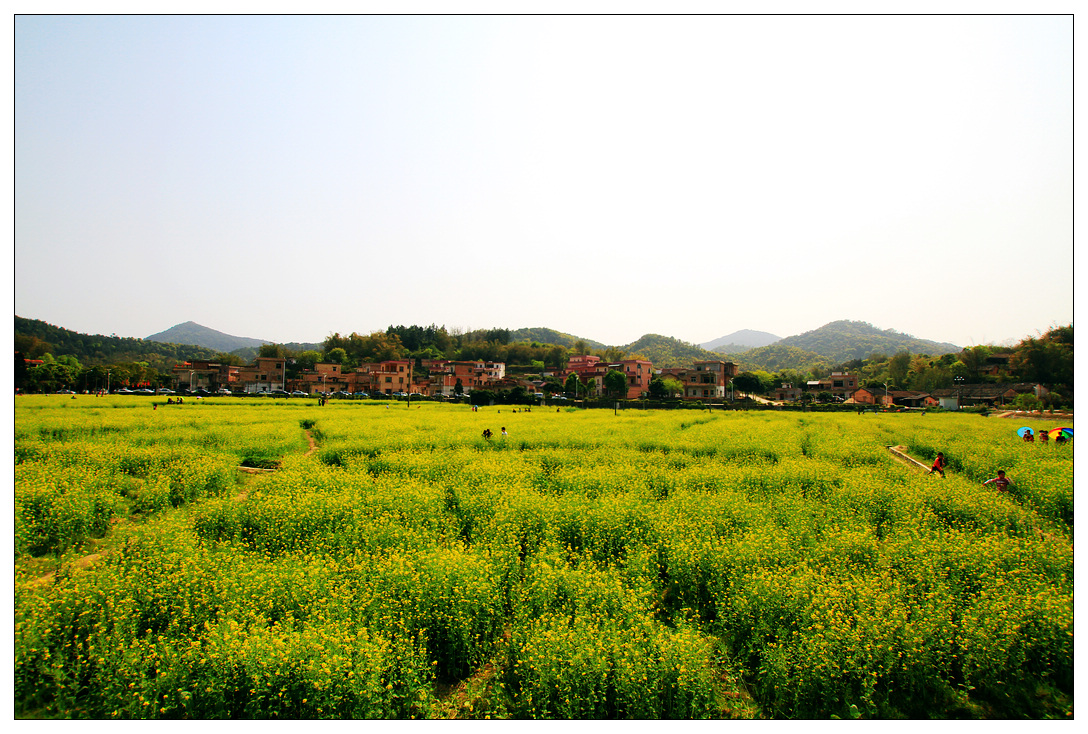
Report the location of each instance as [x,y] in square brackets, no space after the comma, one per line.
[287,177]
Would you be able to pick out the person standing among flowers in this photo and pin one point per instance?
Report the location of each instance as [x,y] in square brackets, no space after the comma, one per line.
[939,464]
[1000,481]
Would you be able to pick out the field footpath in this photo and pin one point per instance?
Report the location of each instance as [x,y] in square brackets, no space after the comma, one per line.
[900,453]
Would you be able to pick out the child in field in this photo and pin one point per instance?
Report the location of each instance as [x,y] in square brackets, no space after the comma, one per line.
[1000,481]
[939,464]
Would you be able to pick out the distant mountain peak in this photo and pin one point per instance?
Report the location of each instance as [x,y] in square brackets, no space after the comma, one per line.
[743,338]
[191,332]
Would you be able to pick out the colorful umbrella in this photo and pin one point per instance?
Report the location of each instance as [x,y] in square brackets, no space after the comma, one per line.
[1065,433]
[1025,431]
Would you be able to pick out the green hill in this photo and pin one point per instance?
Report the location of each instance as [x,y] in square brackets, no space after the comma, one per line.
[665,351]
[193,333]
[778,356]
[543,335]
[34,338]
[842,341]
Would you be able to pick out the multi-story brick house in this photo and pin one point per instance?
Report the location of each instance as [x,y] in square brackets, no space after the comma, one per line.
[787,392]
[204,374]
[264,375]
[391,376]
[706,380]
[843,383]
[446,374]
[325,377]
[591,370]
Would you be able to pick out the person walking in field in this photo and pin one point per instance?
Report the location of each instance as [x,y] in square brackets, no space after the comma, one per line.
[504,431]
[1000,481]
[939,464]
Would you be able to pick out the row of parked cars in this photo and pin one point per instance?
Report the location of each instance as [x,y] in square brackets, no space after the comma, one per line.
[278,393]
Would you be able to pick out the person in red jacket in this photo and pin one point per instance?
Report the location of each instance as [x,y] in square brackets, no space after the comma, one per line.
[939,464]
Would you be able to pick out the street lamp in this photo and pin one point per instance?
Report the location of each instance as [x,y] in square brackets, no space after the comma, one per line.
[959,391]
[885,394]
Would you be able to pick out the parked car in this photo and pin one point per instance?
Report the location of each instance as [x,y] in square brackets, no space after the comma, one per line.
[66,392]
[144,391]
[122,391]
[299,394]
[165,391]
[222,391]
[359,395]
[278,393]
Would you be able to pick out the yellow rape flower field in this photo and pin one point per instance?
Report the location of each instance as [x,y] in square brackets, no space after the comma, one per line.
[380,561]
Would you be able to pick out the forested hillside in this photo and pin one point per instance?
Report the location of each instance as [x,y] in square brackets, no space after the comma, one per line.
[34,338]
[842,341]
[664,351]
[777,357]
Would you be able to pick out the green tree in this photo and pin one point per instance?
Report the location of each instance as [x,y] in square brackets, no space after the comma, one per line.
[572,384]
[615,382]
[307,359]
[553,385]
[271,350]
[747,382]
[898,367]
[1047,360]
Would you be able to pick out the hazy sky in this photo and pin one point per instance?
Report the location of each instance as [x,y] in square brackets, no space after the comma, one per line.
[287,177]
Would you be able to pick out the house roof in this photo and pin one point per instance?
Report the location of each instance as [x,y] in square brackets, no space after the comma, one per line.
[984,390]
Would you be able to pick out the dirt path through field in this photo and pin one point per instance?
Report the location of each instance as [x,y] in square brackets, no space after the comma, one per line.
[900,453]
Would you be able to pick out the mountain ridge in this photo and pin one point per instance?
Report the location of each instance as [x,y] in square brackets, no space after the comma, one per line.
[835,343]
[743,338]
[199,335]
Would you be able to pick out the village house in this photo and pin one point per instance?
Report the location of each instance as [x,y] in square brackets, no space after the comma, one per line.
[204,374]
[952,398]
[705,380]
[787,393]
[591,370]
[391,376]
[839,384]
[446,375]
[264,375]
[325,377]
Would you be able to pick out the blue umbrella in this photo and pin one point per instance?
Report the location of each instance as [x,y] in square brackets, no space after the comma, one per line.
[1025,431]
